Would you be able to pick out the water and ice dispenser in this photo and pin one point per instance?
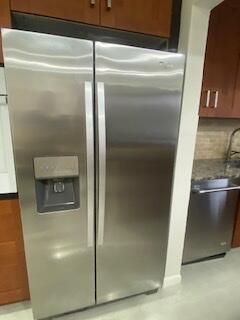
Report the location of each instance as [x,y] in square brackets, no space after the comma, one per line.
[57,183]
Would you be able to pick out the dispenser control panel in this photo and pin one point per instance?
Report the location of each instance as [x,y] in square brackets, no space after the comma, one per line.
[55,167]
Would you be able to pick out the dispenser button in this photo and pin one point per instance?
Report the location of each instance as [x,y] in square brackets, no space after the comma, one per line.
[58,186]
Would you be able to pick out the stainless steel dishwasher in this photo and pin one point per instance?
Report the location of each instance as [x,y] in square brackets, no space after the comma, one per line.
[210,221]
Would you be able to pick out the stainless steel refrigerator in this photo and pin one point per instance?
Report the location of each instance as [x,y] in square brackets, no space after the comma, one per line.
[95,128]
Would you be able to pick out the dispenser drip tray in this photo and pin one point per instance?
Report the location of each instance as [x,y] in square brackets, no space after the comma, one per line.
[55,195]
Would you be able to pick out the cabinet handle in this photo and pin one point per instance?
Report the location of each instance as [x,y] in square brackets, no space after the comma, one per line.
[203,191]
[3,99]
[216,99]
[109,4]
[92,3]
[208,98]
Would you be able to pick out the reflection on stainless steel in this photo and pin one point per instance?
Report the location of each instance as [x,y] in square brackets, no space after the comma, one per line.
[138,97]
[46,78]
[210,218]
[142,108]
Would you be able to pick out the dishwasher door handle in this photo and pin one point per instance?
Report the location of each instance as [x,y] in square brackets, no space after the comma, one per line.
[202,191]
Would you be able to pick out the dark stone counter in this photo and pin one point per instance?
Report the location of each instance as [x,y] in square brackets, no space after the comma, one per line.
[213,169]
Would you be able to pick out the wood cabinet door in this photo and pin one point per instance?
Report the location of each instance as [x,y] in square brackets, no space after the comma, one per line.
[76,10]
[5,21]
[13,274]
[236,98]
[221,61]
[150,17]
[236,232]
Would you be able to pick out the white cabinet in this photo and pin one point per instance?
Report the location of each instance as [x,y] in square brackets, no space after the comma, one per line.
[7,169]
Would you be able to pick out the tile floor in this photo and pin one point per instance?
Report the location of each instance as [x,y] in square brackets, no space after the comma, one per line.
[209,290]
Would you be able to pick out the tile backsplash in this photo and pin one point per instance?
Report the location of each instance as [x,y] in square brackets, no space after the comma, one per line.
[213,138]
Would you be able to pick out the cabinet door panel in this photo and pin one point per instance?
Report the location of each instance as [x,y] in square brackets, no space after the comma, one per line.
[221,61]
[236,232]
[5,21]
[236,99]
[151,17]
[75,10]
[13,274]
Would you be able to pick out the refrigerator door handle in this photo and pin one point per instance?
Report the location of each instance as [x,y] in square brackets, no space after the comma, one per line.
[101,160]
[90,162]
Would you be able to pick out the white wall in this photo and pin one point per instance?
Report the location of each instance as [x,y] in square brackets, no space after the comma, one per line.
[7,170]
[192,42]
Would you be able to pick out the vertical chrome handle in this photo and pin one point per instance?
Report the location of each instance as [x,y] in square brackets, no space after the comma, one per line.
[101,160]
[208,98]
[109,4]
[90,162]
[216,99]
[92,3]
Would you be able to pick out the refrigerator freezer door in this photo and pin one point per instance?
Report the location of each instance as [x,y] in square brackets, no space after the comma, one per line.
[49,84]
[138,108]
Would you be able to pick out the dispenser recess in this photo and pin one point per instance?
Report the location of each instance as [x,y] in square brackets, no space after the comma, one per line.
[57,183]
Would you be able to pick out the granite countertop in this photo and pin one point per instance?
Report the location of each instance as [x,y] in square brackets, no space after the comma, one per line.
[210,169]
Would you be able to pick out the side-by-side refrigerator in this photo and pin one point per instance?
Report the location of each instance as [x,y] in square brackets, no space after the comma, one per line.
[95,128]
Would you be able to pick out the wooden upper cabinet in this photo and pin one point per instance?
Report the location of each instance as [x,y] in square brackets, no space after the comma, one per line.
[5,21]
[76,10]
[150,17]
[236,98]
[222,59]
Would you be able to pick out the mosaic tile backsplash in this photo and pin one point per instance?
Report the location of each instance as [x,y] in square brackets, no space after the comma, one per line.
[213,138]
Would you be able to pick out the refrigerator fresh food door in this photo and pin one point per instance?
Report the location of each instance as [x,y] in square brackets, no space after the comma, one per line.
[138,97]
[49,84]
